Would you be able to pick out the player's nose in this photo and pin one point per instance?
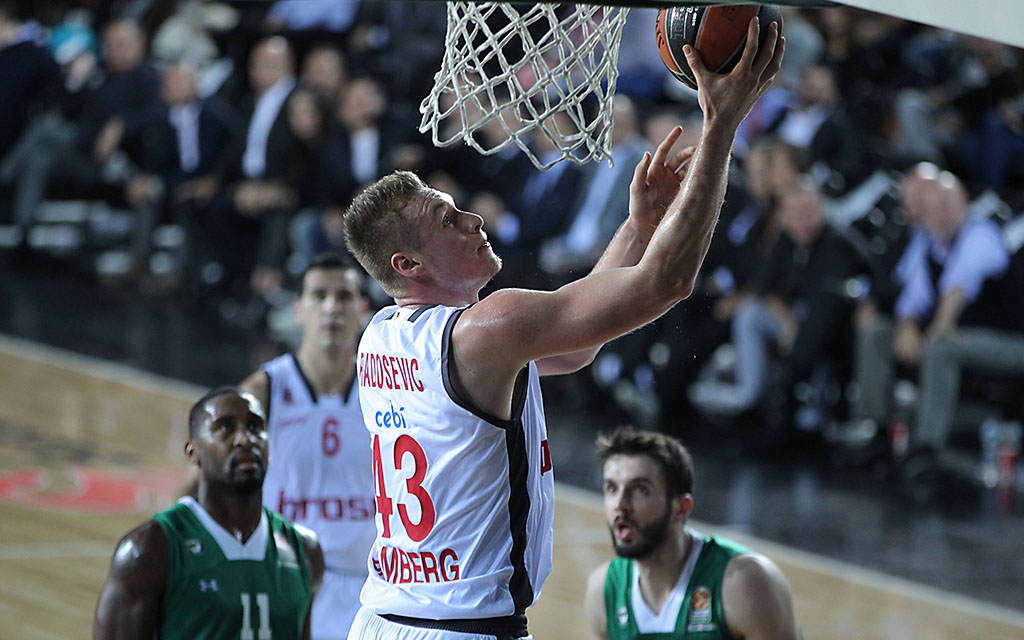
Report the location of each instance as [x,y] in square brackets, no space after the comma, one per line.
[622,504]
[332,302]
[472,222]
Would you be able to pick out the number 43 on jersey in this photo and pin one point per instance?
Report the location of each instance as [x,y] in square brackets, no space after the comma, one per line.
[406,447]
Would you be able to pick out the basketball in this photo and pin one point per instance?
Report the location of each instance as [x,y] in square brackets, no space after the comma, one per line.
[718,33]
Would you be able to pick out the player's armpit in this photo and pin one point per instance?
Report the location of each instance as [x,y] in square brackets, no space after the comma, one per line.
[593,603]
[756,600]
[258,384]
[130,601]
[314,556]
[315,561]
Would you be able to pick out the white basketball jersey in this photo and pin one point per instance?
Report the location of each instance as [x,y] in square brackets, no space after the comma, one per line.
[319,471]
[465,501]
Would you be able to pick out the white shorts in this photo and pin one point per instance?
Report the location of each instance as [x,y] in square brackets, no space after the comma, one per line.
[335,605]
[369,626]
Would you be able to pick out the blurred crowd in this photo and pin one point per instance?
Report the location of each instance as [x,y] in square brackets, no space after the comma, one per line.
[865,279]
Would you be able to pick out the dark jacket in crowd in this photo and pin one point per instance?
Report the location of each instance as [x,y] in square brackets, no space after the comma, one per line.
[29,75]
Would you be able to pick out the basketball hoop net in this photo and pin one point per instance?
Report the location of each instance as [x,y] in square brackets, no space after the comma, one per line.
[535,70]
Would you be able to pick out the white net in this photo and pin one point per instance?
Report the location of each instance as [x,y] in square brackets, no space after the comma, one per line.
[513,73]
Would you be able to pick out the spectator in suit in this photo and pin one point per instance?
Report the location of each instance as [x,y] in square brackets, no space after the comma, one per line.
[602,204]
[816,121]
[370,131]
[358,148]
[524,205]
[324,70]
[957,308]
[102,136]
[192,140]
[246,222]
[800,310]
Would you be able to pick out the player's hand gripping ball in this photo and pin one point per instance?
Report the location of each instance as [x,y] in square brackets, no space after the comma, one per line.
[717,33]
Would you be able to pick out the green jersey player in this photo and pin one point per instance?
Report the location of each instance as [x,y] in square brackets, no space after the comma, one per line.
[219,565]
[668,582]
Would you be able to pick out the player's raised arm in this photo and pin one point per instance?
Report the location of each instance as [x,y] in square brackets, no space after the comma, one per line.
[656,183]
[130,602]
[531,325]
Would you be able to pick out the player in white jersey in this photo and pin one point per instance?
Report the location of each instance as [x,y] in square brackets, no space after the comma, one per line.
[319,474]
[449,383]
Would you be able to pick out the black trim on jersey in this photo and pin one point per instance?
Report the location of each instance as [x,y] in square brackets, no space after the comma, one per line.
[270,395]
[347,394]
[518,462]
[457,391]
[518,512]
[417,313]
[302,374]
[504,628]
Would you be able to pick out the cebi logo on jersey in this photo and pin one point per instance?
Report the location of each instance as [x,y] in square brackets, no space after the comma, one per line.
[288,399]
[623,615]
[391,418]
[194,546]
[699,618]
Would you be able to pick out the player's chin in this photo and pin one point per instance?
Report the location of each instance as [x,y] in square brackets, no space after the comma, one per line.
[249,480]
[634,549]
[497,264]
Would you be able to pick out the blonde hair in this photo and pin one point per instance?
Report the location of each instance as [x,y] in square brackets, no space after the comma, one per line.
[378,224]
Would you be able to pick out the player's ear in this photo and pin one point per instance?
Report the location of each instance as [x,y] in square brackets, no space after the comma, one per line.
[682,507]
[406,265]
[191,454]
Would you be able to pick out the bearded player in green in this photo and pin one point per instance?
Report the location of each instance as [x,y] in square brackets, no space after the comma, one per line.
[669,582]
[220,566]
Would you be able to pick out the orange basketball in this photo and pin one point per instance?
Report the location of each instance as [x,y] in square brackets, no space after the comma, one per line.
[717,33]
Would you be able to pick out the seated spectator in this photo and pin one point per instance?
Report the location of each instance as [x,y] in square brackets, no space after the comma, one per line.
[800,312]
[402,42]
[956,309]
[321,174]
[993,147]
[359,149]
[747,232]
[816,121]
[29,71]
[244,227]
[324,71]
[192,141]
[603,200]
[371,132]
[101,137]
[522,206]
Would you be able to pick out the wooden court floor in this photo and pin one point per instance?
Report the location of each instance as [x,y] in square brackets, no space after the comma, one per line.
[89,450]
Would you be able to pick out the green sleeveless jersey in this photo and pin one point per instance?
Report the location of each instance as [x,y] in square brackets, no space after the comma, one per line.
[700,614]
[229,591]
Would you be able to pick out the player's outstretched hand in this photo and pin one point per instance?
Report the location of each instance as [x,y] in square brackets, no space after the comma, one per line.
[731,96]
[657,180]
